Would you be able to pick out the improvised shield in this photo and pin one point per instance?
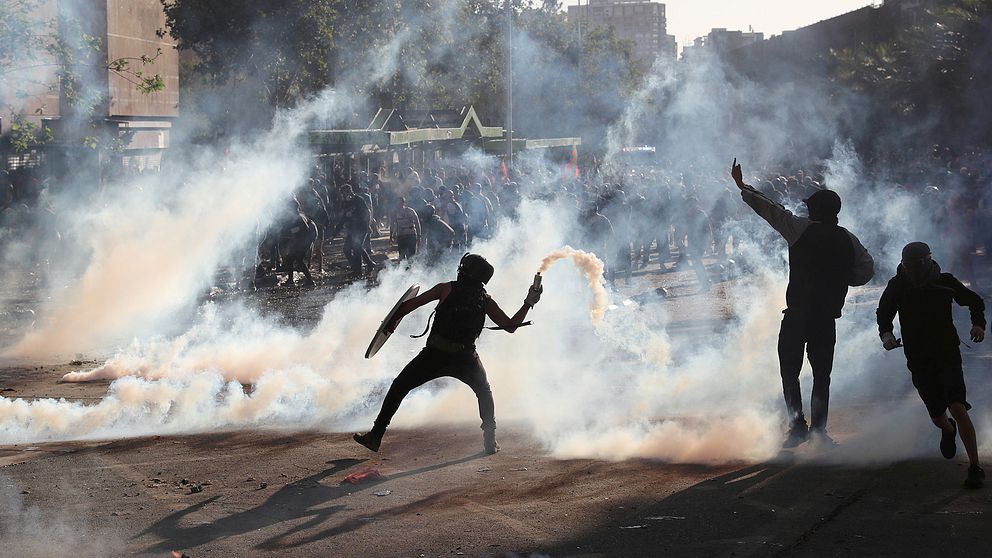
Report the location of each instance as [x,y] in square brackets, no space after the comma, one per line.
[381,335]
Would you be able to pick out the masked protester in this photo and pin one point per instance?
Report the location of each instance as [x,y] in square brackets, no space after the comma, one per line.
[463,305]
[824,260]
[921,295]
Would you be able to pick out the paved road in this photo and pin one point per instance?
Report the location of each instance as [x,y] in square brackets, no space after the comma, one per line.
[282,494]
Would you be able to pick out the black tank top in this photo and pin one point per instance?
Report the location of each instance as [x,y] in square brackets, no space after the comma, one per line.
[462,315]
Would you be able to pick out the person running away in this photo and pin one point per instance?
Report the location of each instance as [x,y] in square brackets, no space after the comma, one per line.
[463,305]
[922,295]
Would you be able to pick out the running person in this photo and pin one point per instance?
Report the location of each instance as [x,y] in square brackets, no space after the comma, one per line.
[922,297]
[461,313]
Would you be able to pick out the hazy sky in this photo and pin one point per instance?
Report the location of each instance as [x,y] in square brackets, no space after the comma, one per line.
[688,19]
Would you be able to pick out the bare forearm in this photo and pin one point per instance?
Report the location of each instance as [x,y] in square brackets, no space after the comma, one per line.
[518,318]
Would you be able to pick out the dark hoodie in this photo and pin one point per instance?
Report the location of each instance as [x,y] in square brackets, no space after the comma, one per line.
[925,310]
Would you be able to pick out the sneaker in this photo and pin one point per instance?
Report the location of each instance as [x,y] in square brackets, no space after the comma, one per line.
[819,439]
[371,440]
[976,477]
[947,446]
[489,443]
[798,434]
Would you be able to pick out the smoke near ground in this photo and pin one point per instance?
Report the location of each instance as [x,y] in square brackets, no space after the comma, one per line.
[622,381]
[32,532]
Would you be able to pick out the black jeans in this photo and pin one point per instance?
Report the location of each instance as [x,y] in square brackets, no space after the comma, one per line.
[355,252]
[407,245]
[432,364]
[817,335]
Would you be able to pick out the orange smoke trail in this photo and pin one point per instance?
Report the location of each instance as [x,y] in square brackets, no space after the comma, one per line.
[591,267]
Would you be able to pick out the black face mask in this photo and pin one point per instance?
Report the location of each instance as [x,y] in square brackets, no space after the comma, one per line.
[921,271]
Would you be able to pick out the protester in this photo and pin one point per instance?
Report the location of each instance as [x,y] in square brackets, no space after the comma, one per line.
[460,315]
[824,259]
[404,230]
[921,295]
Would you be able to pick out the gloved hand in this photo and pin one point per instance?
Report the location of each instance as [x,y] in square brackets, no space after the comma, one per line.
[534,295]
[977,334]
[889,341]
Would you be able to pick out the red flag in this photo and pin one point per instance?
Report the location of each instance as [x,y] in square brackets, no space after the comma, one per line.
[502,166]
[572,166]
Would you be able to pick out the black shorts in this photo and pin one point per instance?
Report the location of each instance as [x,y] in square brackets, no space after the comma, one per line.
[939,379]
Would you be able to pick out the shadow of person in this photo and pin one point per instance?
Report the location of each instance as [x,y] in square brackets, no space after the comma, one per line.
[305,498]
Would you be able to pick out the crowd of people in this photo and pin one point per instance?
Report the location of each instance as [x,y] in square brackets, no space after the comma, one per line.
[631,215]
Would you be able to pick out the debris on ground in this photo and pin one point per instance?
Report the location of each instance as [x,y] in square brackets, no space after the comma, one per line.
[665,518]
[485,469]
[263,485]
[633,526]
[365,475]
[195,487]
[383,493]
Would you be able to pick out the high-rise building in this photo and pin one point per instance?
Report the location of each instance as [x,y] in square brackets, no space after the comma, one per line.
[643,23]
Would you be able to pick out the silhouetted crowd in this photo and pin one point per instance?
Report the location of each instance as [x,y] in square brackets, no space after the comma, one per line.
[631,214]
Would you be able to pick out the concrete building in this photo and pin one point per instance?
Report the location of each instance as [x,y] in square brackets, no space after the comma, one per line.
[721,40]
[127,30]
[643,23]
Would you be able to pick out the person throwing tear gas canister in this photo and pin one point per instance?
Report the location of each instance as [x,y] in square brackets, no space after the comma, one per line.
[463,305]
[922,295]
[824,260]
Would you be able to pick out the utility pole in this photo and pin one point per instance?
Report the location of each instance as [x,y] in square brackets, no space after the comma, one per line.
[509,85]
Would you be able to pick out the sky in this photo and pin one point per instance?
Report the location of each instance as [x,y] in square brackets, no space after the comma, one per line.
[688,19]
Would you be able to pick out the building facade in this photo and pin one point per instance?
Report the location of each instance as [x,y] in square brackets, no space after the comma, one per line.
[720,41]
[643,23]
[112,105]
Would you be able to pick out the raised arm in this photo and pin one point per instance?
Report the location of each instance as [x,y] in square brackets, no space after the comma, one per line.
[780,218]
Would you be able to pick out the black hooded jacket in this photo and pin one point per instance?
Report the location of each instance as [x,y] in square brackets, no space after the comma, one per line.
[824,258]
[925,311]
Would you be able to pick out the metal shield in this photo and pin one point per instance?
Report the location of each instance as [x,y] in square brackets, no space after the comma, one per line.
[381,335]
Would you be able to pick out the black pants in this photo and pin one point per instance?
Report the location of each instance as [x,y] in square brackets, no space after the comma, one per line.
[817,335]
[432,364]
[407,245]
[355,252]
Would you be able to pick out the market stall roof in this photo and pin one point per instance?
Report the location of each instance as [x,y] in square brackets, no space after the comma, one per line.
[393,128]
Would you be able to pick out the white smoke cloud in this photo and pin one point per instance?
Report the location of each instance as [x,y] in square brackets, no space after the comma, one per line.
[633,384]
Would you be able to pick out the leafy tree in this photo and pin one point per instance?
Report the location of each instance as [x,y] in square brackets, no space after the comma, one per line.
[934,68]
[53,55]
[409,54]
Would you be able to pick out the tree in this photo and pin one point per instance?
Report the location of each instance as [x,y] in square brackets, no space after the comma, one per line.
[932,69]
[41,53]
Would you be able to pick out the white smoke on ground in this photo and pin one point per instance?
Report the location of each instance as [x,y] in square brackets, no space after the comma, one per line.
[633,383]
[30,531]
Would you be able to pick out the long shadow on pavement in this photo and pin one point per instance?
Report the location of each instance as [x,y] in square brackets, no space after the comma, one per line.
[305,498]
[779,509]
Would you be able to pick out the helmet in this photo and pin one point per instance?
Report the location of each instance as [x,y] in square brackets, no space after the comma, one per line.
[475,267]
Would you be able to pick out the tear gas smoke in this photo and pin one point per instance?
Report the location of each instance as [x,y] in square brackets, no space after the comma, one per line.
[591,268]
[688,380]
[32,532]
